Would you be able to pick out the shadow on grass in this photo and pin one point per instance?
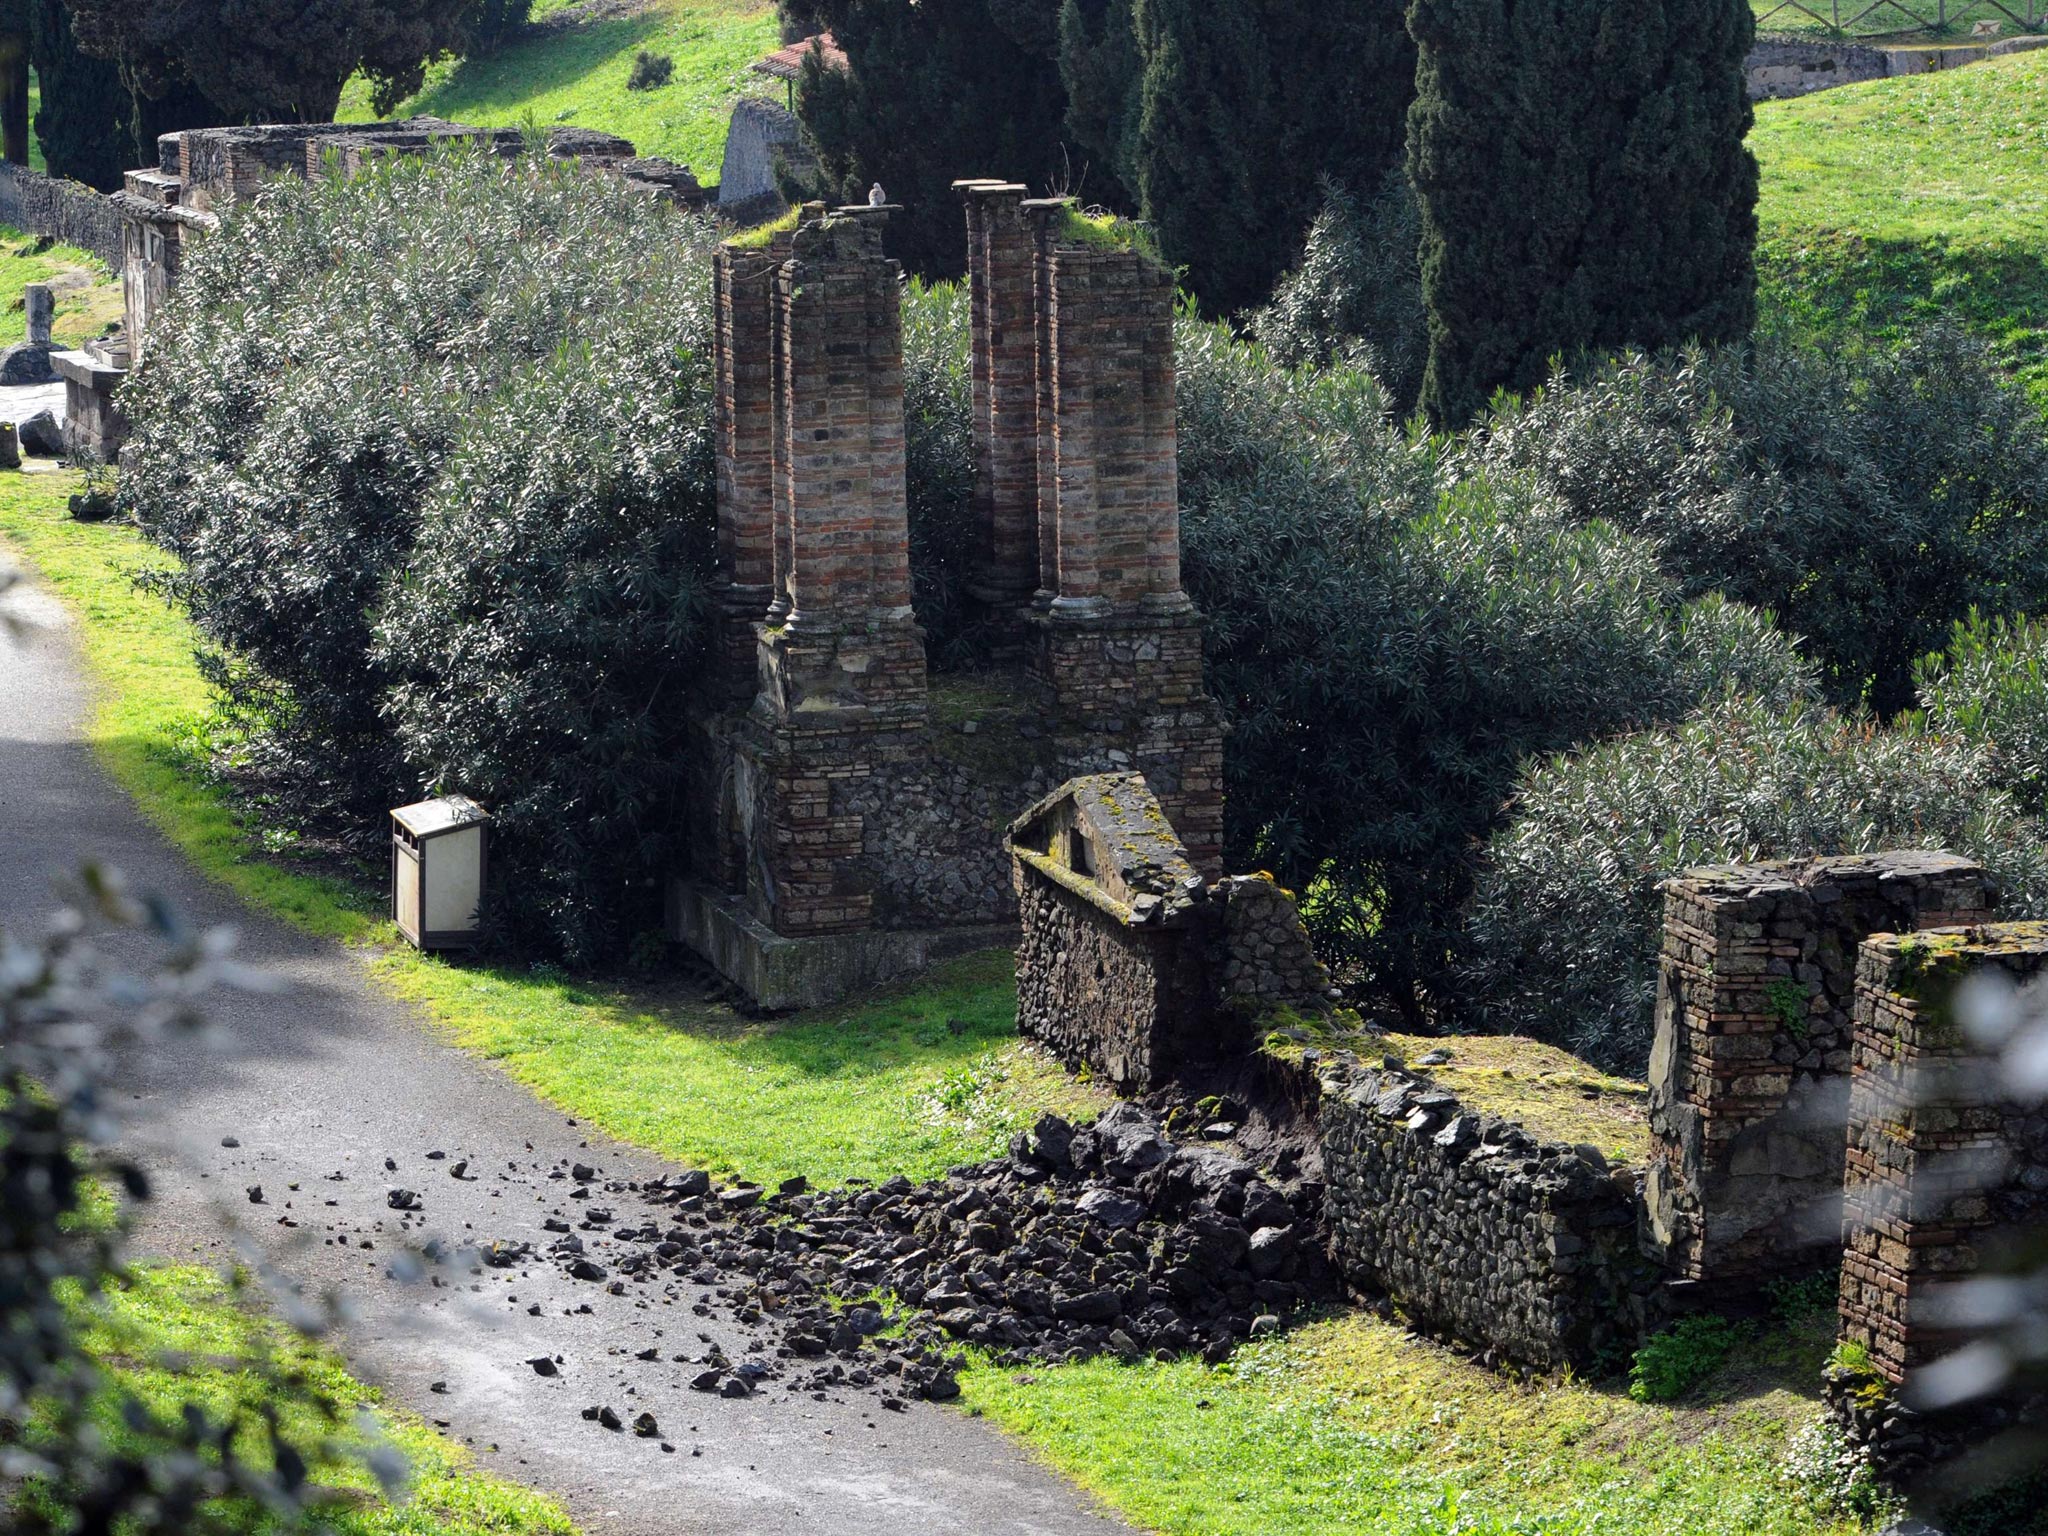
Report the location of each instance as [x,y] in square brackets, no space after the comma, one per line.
[559,58]
[1847,290]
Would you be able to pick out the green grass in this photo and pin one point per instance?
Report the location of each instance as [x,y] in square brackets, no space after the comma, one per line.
[87,296]
[577,75]
[1897,21]
[177,1334]
[910,1081]
[1348,1424]
[1891,203]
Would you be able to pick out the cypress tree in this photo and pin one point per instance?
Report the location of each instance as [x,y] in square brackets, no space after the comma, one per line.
[934,90]
[1235,113]
[1204,103]
[1583,183]
[85,118]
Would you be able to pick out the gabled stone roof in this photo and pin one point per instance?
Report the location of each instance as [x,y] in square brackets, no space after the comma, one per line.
[1106,836]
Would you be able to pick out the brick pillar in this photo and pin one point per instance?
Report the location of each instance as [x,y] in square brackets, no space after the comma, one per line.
[1942,1167]
[1116,643]
[1749,1069]
[841,659]
[1000,272]
[743,286]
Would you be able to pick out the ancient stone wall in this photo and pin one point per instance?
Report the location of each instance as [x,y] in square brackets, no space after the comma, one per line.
[1945,1170]
[1778,67]
[1130,963]
[65,211]
[1478,1229]
[1749,1072]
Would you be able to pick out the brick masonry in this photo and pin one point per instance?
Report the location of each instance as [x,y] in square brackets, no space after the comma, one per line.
[1749,1072]
[1944,1169]
[828,796]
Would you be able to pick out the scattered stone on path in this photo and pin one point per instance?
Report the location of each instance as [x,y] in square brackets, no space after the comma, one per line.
[402,1199]
[229,1141]
[544,1365]
[255,1194]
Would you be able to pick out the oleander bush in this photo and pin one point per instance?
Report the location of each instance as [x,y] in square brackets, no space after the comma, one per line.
[431,447]
[1391,641]
[1869,503]
[1565,917]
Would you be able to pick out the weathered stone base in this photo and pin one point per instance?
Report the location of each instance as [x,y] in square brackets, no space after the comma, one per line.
[94,427]
[778,972]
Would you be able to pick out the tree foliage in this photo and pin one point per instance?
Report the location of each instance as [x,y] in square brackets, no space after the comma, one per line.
[933,91]
[430,447]
[84,116]
[1869,503]
[1566,916]
[275,60]
[1391,642]
[1583,183]
[1357,293]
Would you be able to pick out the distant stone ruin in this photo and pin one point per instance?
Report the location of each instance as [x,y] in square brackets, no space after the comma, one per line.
[848,806]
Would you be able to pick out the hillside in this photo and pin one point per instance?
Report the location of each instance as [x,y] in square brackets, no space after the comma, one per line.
[574,65]
[1901,200]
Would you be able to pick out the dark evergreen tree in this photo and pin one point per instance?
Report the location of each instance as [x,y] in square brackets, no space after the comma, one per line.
[1225,119]
[85,118]
[14,77]
[275,60]
[1583,183]
[934,90]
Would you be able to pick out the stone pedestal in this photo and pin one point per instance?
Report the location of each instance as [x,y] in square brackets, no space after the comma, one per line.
[94,427]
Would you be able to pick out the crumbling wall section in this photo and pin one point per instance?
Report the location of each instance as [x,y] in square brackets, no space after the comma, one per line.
[1945,1168]
[1476,1228]
[66,211]
[1749,1071]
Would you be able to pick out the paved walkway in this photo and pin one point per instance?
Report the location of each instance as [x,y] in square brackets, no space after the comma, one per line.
[330,1078]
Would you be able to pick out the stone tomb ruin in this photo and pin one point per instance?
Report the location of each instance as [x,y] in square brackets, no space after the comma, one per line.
[200,172]
[849,807]
[1130,961]
[1812,1098]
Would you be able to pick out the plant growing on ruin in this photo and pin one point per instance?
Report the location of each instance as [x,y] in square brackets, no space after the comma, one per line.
[1674,1360]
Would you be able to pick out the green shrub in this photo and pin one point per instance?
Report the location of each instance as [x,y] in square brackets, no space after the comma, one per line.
[1565,916]
[1677,1359]
[1390,644]
[1869,504]
[1358,291]
[543,633]
[651,71]
[348,359]
[494,23]
[1991,686]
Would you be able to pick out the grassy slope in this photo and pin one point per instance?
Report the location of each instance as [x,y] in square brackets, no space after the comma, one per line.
[1343,1425]
[578,75]
[178,1335]
[1900,200]
[906,1083]
[87,296]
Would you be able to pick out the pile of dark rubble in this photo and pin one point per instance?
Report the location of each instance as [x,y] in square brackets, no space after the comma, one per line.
[1109,1239]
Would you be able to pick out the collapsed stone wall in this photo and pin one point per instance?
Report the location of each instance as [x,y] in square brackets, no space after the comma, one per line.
[1479,1229]
[65,211]
[1749,1071]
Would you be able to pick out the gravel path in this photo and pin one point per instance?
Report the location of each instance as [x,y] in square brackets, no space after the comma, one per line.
[318,1085]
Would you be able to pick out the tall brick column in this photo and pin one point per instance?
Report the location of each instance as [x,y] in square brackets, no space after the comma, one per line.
[841,659]
[1116,642]
[1749,1072]
[1001,260]
[1942,1166]
[744,291]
